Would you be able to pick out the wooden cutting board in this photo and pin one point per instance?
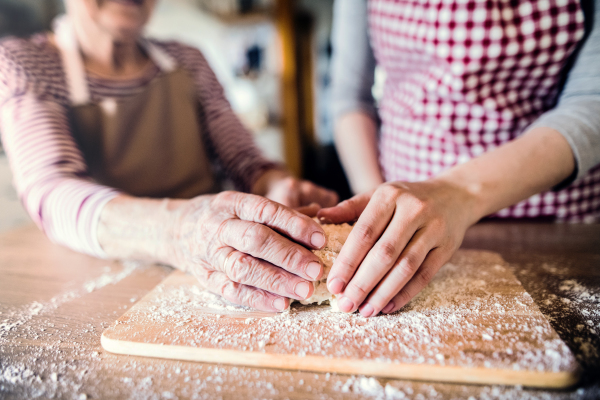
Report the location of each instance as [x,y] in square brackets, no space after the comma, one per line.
[474,323]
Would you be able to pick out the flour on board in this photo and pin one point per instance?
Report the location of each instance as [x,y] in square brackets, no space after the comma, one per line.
[460,319]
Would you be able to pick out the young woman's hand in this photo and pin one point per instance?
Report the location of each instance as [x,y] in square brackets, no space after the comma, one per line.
[405,232]
[248,249]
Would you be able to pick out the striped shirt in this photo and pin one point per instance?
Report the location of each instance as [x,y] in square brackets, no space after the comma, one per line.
[49,171]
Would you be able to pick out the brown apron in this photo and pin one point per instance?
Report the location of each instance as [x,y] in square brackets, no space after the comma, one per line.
[149,144]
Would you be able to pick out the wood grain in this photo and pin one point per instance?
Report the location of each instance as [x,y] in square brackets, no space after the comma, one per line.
[473,324]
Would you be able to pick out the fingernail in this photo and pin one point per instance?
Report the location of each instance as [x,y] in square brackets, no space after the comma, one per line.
[279,304]
[336,286]
[388,308]
[313,270]
[302,290]
[317,240]
[367,310]
[345,304]
[324,220]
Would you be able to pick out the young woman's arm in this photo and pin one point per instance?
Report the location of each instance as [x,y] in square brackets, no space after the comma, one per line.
[407,231]
[353,106]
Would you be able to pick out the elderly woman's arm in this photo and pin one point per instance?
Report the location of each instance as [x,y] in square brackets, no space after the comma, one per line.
[48,169]
[239,245]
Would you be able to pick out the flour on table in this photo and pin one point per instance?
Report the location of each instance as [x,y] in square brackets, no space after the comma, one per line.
[335,236]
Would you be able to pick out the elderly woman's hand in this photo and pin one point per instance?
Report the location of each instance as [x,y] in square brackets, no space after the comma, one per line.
[281,187]
[405,232]
[245,248]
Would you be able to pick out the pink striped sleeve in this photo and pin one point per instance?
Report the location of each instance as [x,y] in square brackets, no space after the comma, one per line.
[48,169]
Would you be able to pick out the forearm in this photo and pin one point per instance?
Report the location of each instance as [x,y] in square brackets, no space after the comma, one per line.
[356,143]
[530,164]
[139,228]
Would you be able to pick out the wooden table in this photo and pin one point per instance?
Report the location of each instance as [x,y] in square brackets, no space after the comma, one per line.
[54,305]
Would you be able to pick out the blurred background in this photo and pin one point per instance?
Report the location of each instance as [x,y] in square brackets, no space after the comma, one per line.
[271,56]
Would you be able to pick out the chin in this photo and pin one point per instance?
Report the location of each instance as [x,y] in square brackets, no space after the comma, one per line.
[125,20]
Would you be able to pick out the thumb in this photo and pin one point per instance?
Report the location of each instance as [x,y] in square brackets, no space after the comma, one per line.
[347,211]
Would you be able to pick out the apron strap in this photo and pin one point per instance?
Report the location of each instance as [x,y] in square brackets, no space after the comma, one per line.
[66,40]
[72,62]
[161,58]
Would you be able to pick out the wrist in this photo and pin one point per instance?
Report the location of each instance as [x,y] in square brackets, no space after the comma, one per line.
[468,194]
[169,214]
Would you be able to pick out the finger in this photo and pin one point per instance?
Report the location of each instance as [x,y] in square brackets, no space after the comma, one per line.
[245,269]
[281,219]
[311,193]
[365,233]
[310,210]
[262,242]
[405,267]
[237,293]
[433,262]
[382,257]
[346,211]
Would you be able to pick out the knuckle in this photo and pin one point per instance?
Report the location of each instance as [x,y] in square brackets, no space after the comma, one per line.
[230,291]
[364,231]
[266,210]
[411,261]
[385,253]
[256,299]
[297,226]
[388,192]
[239,268]
[277,282]
[220,230]
[291,259]
[254,237]
[424,276]
[344,265]
[419,206]
[355,289]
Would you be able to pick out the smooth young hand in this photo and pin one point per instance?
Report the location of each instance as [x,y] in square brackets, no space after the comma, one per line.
[405,232]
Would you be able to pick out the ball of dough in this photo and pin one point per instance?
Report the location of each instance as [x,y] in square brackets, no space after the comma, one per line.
[335,236]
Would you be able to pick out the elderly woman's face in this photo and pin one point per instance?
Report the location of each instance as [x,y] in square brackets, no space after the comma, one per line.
[122,19]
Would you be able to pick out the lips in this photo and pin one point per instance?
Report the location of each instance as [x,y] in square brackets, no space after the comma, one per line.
[129,2]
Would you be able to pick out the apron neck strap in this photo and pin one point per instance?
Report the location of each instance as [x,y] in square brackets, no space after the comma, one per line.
[66,40]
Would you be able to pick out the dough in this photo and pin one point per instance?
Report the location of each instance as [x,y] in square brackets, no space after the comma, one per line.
[335,236]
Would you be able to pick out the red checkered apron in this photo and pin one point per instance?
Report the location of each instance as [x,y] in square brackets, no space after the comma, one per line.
[464,77]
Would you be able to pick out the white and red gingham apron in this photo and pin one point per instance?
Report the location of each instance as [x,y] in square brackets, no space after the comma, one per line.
[464,77]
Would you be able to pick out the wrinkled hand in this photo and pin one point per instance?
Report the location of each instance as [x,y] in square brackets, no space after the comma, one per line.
[245,248]
[279,186]
[405,232]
